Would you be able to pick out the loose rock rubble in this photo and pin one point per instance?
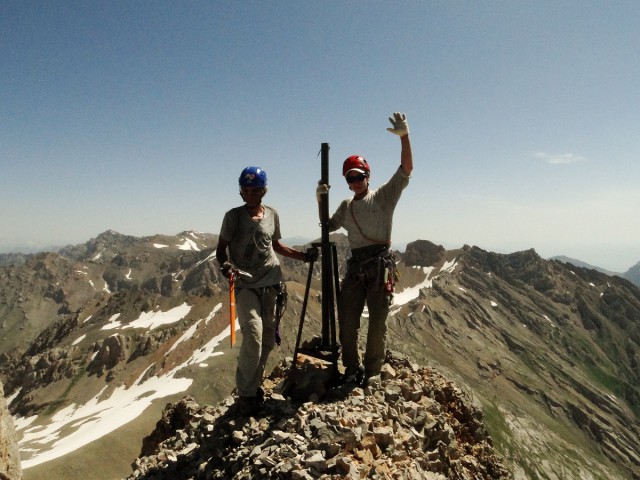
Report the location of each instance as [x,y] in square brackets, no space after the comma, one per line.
[412,424]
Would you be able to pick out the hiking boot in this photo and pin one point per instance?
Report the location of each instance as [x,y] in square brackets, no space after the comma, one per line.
[353,374]
[371,379]
[248,406]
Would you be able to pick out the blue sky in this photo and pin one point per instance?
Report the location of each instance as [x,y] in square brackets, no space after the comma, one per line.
[139,116]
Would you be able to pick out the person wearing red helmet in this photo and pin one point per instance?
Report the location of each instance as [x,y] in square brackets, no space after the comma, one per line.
[251,235]
[371,271]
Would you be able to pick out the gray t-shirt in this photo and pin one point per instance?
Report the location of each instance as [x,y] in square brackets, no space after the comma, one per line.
[251,245]
[368,221]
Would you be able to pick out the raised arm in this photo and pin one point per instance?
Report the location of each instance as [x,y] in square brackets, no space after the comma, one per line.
[401,128]
[406,157]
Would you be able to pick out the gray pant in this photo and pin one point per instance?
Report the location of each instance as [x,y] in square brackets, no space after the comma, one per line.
[364,282]
[256,316]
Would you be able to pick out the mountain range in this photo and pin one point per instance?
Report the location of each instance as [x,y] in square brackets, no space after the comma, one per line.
[632,274]
[97,338]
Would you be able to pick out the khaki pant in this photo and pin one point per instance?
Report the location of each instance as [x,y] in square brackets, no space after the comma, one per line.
[364,282]
[256,316]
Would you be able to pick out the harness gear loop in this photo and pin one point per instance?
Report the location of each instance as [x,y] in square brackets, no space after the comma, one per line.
[281,306]
[391,274]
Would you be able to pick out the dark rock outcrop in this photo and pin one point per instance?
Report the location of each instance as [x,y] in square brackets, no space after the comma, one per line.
[423,253]
[111,352]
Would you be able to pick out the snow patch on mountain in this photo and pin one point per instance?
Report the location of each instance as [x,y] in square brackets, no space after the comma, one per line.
[411,293]
[76,425]
[189,245]
[151,320]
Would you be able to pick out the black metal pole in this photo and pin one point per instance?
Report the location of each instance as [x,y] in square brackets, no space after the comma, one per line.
[302,315]
[324,199]
[327,256]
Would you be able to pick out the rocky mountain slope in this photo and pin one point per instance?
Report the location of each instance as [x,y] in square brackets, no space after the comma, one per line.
[96,339]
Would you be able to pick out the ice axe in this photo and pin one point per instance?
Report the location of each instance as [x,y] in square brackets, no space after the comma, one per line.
[232,301]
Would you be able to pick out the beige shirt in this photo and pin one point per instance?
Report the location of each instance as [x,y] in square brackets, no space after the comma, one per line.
[369,220]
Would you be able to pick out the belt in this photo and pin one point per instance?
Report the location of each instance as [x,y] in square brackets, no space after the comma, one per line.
[370,252]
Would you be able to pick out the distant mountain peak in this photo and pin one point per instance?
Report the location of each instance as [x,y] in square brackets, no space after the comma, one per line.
[581,264]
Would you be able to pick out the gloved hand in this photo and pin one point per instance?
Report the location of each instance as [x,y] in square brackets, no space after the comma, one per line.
[227,268]
[311,255]
[322,189]
[400,125]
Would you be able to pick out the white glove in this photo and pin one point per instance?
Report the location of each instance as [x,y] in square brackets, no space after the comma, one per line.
[322,189]
[400,125]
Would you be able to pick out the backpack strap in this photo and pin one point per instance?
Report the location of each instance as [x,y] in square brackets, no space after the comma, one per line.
[383,242]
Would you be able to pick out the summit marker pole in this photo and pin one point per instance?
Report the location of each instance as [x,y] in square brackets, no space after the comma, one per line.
[327,255]
[328,350]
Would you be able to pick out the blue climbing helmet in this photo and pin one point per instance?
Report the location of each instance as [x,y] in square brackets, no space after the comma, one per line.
[253,177]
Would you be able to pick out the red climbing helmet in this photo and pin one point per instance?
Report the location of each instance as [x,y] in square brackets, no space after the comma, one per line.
[357,163]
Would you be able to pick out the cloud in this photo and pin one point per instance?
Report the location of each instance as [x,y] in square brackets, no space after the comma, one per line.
[559,158]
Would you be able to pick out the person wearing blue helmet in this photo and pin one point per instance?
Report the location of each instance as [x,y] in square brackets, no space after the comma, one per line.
[248,242]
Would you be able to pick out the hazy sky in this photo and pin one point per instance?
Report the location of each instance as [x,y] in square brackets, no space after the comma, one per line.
[138,116]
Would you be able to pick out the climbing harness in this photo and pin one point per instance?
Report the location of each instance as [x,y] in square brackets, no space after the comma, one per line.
[375,267]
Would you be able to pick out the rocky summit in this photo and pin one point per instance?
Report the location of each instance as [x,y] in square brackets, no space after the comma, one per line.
[412,423]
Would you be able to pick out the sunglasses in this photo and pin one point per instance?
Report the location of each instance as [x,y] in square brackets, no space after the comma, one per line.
[251,191]
[355,178]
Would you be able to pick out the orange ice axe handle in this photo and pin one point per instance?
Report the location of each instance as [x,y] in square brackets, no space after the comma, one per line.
[232,301]
[232,307]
